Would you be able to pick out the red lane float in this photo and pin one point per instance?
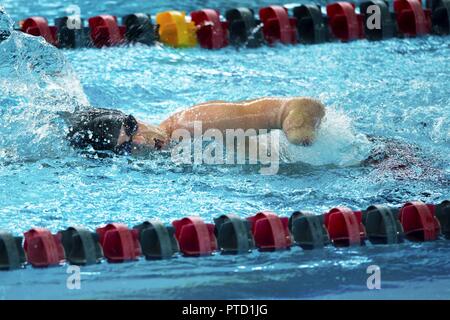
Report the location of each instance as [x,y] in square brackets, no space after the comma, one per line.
[345,227]
[105,31]
[344,23]
[195,237]
[419,221]
[38,26]
[211,33]
[42,248]
[270,231]
[412,19]
[119,243]
[277,26]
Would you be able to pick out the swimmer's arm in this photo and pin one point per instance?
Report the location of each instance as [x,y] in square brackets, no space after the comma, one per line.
[297,117]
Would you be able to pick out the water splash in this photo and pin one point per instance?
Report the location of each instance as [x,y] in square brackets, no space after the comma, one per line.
[36,82]
[337,143]
[6,25]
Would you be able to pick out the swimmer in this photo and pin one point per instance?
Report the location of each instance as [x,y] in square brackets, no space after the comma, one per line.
[299,118]
[107,129]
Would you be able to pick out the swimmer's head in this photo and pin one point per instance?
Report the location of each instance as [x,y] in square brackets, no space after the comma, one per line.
[107,132]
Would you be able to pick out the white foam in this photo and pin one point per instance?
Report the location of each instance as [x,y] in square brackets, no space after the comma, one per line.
[36,82]
[337,144]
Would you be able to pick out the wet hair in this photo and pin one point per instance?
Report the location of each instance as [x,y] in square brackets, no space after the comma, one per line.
[100,129]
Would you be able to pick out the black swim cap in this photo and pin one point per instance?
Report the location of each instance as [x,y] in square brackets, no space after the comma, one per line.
[101,130]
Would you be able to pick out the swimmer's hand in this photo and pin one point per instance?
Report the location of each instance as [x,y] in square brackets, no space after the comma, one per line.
[301,123]
[300,136]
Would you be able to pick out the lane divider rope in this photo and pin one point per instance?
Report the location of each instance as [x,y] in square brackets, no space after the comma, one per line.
[305,24]
[230,234]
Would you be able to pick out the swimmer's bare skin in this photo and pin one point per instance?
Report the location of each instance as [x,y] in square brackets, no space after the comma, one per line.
[298,117]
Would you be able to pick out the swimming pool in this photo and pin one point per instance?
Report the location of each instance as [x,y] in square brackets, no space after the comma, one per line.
[394,88]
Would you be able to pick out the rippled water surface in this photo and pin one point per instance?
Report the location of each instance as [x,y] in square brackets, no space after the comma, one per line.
[397,89]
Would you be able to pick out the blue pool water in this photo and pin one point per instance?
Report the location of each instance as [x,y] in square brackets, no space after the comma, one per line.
[395,89]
